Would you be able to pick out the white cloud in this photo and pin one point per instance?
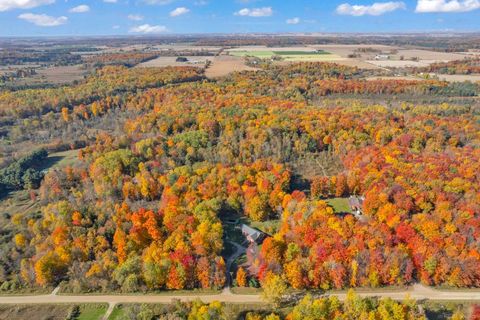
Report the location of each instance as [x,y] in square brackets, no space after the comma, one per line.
[159,2]
[447,5]
[80,9]
[22,4]
[255,12]
[375,9]
[135,17]
[293,21]
[146,28]
[179,11]
[43,20]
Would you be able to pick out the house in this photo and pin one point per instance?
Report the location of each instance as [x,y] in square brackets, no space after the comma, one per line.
[253,235]
[382,57]
[356,204]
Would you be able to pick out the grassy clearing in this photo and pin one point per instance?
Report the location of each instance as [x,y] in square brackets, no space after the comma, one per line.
[92,311]
[270,227]
[61,159]
[300,53]
[257,54]
[52,311]
[340,205]
[18,202]
[117,313]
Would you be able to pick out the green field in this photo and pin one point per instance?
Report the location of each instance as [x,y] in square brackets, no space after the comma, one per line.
[339,205]
[92,311]
[287,55]
[300,53]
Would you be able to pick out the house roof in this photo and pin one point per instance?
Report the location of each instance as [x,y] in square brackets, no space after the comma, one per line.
[252,233]
[355,202]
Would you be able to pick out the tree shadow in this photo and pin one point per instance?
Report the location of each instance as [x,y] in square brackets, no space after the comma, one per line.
[49,162]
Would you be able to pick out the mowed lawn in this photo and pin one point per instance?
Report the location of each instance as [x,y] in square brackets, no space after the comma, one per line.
[340,205]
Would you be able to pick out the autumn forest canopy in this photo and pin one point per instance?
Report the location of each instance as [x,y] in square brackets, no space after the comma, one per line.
[165,158]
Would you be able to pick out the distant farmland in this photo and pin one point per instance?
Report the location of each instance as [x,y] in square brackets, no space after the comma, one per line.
[319,55]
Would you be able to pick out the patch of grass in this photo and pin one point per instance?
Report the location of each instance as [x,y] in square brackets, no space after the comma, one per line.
[92,311]
[311,57]
[288,55]
[61,159]
[18,202]
[269,226]
[300,53]
[340,205]
[258,54]
[246,290]
[117,313]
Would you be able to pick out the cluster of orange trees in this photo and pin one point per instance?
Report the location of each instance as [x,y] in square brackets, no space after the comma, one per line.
[103,83]
[144,207]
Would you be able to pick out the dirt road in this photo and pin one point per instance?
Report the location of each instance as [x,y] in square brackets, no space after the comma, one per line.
[416,292]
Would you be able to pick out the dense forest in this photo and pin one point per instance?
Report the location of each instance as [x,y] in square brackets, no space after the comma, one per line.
[166,156]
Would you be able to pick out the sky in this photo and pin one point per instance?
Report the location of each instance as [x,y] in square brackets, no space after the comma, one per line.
[157,17]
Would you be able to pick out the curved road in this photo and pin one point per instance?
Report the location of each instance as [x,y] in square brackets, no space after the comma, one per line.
[239,250]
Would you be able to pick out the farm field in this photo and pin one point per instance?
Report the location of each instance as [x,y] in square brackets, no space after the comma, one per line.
[193,61]
[224,65]
[287,54]
[61,74]
[459,77]
[399,63]
[53,75]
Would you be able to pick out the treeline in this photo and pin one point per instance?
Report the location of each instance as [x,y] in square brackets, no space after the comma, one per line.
[310,81]
[128,59]
[23,173]
[353,308]
[56,57]
[465,66]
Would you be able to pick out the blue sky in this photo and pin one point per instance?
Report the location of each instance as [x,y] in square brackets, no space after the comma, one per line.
[120,17]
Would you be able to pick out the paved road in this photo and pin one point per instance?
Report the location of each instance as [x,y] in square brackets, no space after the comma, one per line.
[416,292]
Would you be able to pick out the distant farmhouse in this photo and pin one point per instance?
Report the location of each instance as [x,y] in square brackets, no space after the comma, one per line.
[253,235]
[382,57]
